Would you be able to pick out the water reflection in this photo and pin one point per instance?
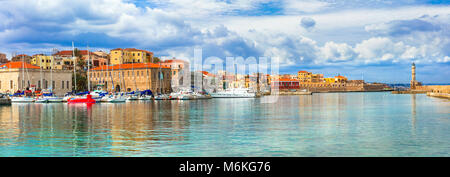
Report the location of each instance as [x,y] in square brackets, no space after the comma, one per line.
[328,124]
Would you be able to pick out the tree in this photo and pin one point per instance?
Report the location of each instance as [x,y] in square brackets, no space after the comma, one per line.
[156,60]
[81,82]
[80,72]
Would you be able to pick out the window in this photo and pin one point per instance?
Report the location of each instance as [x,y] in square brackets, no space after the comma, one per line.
[62,84]
[67,85]
[39,84]
[53,84]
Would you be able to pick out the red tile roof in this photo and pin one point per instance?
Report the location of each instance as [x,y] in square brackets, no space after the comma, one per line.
[303,71]
[208,74]
[70,52]
[19,64]
[130,66]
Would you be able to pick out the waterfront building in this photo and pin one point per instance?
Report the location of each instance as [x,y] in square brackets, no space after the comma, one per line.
[132,77]
[19,76]
[305,76]
[3,58]
[42,61]
[64,60]
[180,71]
[286,83]
[22,57]
[130,55]
[336,79]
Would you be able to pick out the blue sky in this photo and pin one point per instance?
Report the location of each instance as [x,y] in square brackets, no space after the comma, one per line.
[375,40]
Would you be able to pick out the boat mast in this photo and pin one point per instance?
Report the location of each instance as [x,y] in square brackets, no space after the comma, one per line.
[23,73]
[42,82]
[88,66]
[74,70]
[51,74]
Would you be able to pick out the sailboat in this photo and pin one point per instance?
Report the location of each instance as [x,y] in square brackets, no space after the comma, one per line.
[18,96]
[116,97]
[51,98]
[160,95]
[146,94]
[88,98]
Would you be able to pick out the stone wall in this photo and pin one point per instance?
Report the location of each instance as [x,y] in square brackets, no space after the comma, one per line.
[11,80]
[434,88]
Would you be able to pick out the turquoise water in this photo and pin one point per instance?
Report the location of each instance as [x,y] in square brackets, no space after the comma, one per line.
[325,124]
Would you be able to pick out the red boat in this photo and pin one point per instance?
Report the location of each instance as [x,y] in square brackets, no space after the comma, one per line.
[88,99]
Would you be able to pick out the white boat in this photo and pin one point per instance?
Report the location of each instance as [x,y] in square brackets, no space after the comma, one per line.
[41,100]
[22,99]
[234,93]
[201,96]
[162,97]
[54,99]
[115,98]
[132,97]
[145,97]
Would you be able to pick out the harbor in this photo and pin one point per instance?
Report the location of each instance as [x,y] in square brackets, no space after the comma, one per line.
[322,124]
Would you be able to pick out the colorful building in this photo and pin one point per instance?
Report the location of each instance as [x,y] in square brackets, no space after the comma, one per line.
[43,61]
[130,55]
[64,60]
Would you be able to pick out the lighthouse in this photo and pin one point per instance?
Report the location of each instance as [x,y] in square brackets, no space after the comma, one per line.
[414,83]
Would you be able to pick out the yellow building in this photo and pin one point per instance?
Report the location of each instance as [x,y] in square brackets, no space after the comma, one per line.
[304,76]
[130,55]
[336,79]
[43,61]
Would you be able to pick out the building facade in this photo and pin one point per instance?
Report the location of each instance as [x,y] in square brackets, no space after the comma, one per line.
[64,59]
[22,57]
[3,58]
[180,71]
[19,76]
[130,55]
[43,61]
[132,77]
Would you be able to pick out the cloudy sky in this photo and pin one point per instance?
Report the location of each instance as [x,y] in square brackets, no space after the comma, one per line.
[375,40]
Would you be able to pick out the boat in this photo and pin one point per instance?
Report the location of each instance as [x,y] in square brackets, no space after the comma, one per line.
[162,97]
[145,95]
[24,99]
[5,100]
[234,93]
[41,100]
[51,98]
[88,99]
[114,98]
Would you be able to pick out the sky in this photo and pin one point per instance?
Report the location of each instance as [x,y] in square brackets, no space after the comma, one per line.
[373,40]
